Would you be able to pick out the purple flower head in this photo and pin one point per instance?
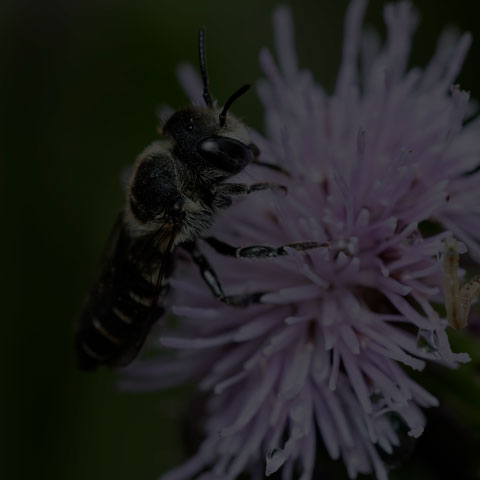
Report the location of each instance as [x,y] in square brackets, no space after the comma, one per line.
[321,359]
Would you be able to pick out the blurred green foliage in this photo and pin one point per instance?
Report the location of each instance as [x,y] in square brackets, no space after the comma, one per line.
[80,82]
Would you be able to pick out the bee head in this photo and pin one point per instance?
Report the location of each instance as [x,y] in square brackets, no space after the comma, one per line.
[213,151]
[213,146]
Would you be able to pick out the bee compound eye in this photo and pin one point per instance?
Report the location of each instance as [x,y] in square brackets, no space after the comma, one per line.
[225,153]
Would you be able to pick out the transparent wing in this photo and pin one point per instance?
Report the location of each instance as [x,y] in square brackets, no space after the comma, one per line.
[128,264]
[156,251]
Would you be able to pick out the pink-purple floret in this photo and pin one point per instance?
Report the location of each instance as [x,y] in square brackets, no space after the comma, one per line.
[322,360]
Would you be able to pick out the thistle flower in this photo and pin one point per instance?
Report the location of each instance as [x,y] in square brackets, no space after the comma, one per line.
[321,359]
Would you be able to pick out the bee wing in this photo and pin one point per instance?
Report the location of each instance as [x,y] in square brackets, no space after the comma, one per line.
[111,246]
[99,300]
[127,262]
[144,253]
[103,287]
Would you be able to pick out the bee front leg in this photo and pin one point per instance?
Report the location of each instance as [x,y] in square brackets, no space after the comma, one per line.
[272,166]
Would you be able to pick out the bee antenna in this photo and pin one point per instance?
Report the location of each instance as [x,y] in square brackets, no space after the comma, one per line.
[223,114]
[203,66]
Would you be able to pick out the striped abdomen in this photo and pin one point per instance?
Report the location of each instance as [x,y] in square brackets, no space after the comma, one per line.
[120,310]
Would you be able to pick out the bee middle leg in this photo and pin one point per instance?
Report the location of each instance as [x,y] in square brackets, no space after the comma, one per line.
[272,166]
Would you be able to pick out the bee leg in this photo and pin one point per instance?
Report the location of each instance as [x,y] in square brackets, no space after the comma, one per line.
[253,251]
[271,166]
[244,189]
[206,270]
[259,251]
[211,279]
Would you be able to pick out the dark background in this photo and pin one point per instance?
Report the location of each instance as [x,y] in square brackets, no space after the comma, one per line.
[80,82]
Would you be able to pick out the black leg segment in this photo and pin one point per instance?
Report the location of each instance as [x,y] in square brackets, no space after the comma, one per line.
[210,277]
[271,166]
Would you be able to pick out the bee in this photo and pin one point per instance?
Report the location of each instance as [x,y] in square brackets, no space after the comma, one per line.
[176,189]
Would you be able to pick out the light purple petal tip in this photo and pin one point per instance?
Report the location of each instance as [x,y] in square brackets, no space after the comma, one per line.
[284,42]
[191,82]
